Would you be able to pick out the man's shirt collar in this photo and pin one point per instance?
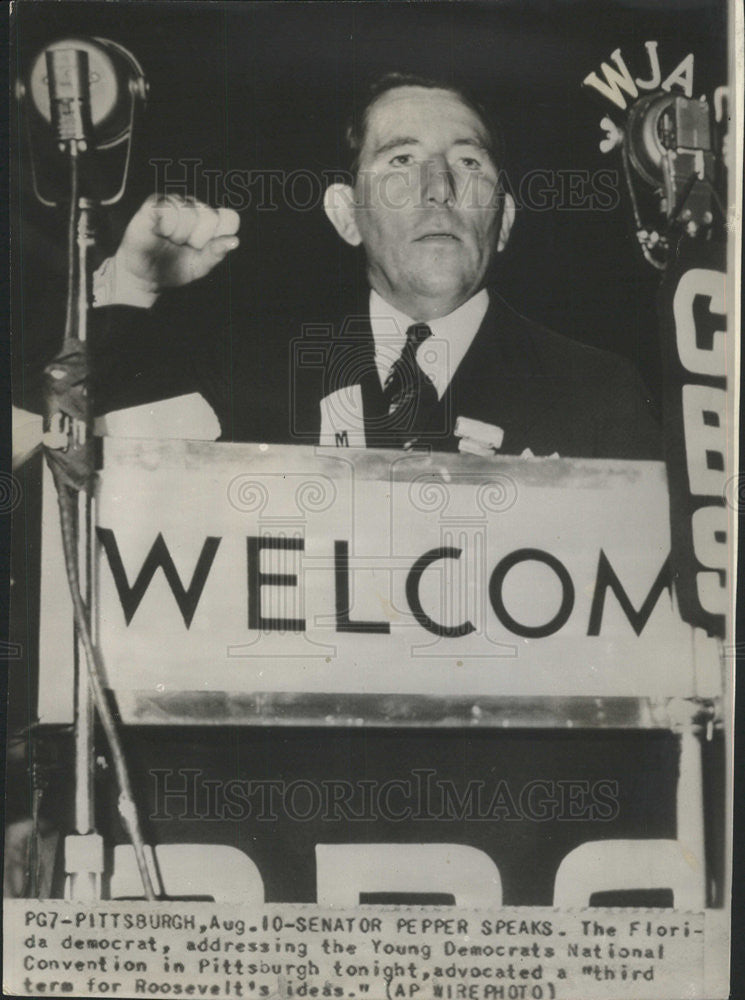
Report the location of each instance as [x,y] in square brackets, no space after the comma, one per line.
[441,354]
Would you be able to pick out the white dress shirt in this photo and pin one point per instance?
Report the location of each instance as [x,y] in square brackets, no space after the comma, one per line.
[440,355]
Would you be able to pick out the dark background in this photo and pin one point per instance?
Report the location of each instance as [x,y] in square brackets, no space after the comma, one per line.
[268,87]
[263,86]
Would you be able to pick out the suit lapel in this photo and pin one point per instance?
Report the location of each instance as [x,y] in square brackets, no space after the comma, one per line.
[353,408]
[493,382]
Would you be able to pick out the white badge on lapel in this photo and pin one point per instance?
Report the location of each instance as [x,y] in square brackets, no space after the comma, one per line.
[342,419]
[478,438]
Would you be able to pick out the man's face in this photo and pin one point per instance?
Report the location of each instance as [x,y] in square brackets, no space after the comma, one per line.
[426,203]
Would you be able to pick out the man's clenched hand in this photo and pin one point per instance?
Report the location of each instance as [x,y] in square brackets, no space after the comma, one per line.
[170,242]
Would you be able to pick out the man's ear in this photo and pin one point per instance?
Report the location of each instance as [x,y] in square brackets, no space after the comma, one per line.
[338,202]
[508,217]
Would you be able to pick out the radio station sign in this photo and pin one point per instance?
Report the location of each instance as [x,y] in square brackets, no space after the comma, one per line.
[253,569]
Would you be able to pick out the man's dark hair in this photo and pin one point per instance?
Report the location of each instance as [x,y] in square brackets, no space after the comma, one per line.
[357,126]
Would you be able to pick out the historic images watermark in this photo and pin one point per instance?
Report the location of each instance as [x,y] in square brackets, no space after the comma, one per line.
[188,793]
[567,189]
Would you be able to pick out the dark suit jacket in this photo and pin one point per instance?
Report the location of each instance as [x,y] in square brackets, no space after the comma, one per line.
[548,393]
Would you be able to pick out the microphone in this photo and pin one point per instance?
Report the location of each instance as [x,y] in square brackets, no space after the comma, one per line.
[69,96]
[81,94]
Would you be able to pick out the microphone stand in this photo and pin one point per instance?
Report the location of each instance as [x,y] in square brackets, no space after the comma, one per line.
[84,854]
[85,870]
[68,446]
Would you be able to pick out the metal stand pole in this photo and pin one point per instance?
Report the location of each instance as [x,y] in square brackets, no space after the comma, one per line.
[84,849]
[690,798]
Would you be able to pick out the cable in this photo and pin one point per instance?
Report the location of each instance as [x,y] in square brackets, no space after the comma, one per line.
[33,872]
[127,809]
[682,198]
[629,184]
[717,199]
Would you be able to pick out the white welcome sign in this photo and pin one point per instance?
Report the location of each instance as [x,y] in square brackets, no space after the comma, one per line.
[252,570]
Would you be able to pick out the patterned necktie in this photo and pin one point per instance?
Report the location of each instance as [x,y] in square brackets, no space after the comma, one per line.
[408,392]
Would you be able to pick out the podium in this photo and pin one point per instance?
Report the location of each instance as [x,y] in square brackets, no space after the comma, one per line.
[289,586]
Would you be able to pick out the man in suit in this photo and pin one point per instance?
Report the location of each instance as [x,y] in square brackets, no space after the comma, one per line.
[435,357]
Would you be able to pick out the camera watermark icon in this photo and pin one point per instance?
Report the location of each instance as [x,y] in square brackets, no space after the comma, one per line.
[734,492]
[11,492]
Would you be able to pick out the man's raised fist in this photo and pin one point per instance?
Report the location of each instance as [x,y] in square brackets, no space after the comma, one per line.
[169,242]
